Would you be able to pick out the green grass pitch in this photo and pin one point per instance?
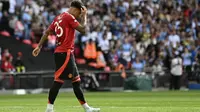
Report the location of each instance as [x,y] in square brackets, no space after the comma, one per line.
[184,101]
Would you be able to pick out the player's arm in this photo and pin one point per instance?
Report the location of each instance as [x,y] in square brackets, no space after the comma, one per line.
[44,38]
[82,27]
[36,51]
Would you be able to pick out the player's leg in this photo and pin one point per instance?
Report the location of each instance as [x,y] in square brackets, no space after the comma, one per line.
[53,94]
[54,91]
[61,61]
[76,83]
[79,95]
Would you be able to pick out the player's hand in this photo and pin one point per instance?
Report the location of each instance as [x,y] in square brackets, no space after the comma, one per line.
[84,11]
[36,51]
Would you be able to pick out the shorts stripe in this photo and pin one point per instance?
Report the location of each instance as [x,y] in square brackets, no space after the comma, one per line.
[62,68]
[59,80]
[76,79]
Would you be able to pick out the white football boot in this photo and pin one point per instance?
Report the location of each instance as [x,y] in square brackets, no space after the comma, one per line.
[92,109]
[49,110]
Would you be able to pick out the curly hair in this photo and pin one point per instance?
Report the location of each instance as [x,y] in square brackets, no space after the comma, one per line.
[77,4]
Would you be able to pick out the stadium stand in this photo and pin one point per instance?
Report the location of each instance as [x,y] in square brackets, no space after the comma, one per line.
[134,34]
[44,62]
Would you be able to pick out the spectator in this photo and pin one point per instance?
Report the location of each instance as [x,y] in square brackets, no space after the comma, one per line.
[4,22]
[158,68]
[7,55]
[187,61]
[163,34]
[120,68]
[140,47]
[138,66]
[158,72]
[12,6]
[100,60]
[19,29]
[113,58]
[5,6]
[105,47]
[152,57]
[7,66]
[19,65]
[90,52]
[176,71]
[174,38]
[196,63]
[193,54]
[19,3]
[126,50]
[12,22]
[26,19]
[198,57]
[180,47]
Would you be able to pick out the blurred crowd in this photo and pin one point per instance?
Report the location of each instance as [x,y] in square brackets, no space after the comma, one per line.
[8,65]
[122,34]
[144,33]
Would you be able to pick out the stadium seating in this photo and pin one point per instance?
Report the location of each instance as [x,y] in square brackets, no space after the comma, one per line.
[43,62]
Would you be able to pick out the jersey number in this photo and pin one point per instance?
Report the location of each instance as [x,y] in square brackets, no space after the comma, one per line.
[58,27]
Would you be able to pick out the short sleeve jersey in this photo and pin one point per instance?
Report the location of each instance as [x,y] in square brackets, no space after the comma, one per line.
[64,27]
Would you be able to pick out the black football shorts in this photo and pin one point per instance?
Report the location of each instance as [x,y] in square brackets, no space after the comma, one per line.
[65,67]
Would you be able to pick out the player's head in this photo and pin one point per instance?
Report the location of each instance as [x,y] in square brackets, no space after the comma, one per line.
[76,6]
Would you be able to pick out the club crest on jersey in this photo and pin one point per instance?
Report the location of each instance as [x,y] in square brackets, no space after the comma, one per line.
[70,76]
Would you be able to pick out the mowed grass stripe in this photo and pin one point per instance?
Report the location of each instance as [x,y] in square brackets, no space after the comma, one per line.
[175,101]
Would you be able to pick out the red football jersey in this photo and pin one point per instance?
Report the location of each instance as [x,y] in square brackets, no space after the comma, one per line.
[64,27]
